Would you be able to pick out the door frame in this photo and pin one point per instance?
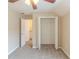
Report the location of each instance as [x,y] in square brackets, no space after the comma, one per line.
[21,44]
[56,30]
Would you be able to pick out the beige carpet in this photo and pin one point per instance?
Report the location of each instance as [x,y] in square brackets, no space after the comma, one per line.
[46,52]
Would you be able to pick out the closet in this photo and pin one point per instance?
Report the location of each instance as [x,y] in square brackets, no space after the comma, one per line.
[48,31]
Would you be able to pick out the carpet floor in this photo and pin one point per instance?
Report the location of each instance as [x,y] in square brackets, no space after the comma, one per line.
[46,52]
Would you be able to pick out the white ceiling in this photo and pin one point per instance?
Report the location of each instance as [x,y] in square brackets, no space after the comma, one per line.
[60,7]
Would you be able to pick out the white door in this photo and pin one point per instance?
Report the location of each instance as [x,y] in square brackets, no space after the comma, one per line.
[24,32]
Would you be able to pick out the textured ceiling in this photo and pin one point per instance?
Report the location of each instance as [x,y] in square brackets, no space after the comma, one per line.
[60,7]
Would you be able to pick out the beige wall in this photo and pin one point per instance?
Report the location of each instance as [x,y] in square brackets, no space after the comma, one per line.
[65,33]
[13,30]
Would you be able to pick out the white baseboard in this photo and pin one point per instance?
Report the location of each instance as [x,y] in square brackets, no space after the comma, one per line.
[13,50]
[64,52]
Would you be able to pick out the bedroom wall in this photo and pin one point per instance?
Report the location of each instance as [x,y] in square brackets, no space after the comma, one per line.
[13,30]
[65,34]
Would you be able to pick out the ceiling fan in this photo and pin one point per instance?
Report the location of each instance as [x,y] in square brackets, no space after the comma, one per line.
[33,2]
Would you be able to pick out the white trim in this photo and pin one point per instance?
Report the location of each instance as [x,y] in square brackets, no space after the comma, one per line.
[39,32]
[13,50]
[64,52]
[56,25]
[56,33]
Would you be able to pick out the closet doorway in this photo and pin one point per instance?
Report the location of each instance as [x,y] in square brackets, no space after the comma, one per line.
[48,31]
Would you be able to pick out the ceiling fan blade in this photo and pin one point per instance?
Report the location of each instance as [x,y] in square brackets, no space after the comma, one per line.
[33,4]
[12,1]
[50,1]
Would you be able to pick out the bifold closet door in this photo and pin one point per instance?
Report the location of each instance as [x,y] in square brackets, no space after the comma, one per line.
[47,31]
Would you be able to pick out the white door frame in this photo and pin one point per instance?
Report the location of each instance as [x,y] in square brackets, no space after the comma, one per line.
[56,30]
[22,41]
